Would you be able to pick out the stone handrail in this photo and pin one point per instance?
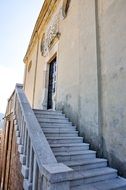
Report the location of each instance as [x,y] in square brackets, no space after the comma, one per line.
[39,165]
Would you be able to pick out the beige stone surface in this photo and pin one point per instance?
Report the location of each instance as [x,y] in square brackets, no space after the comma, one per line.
[29,83]
[77,71]
[113,71]
[91,72]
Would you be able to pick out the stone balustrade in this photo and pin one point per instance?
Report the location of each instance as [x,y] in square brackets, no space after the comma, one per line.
[39,165]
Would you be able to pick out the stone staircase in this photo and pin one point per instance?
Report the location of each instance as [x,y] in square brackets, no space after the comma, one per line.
[89,172]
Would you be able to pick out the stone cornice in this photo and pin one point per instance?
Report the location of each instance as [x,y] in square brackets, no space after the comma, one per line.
[42,18]
[45,14]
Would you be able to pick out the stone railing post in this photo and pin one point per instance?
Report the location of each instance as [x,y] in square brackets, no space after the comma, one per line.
[56,177]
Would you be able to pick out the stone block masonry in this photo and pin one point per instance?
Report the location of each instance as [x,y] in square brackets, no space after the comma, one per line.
[11,177]
[15,177]
[1,137]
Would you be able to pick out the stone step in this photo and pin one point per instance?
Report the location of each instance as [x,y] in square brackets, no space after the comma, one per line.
[90,176]
[61,134]
[86,164]
[59,130]
[74,155]
[69,147]
[54,121]
[59,125]
[111,184]
[47,112]
[67,140]
[48,116]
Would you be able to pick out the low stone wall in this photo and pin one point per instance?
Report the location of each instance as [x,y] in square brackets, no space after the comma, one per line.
[1,144]
[15,179]
[11,177]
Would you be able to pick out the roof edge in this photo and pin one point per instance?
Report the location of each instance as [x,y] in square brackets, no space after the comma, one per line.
[43,12]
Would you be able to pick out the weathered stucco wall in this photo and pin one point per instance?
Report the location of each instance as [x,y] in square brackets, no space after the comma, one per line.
[36,87]
[77,91]
[112,24]
[91,74]
[30,75]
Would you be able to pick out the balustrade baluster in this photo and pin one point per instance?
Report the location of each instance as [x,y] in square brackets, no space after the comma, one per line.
[31,164]
[25,166]
[28,152]
[19,124]
[24,131]
[40,180]
[22,127]
[17,110]
[25,141]
[35,174]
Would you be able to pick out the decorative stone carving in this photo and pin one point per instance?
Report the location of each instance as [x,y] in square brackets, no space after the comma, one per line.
[50,36]
[52,32]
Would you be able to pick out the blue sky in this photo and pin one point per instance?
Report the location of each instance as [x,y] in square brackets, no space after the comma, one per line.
[17,20]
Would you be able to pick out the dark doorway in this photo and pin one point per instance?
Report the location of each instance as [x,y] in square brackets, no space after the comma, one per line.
[51,84]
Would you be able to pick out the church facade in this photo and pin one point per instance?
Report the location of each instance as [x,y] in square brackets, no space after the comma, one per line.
[76,62]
